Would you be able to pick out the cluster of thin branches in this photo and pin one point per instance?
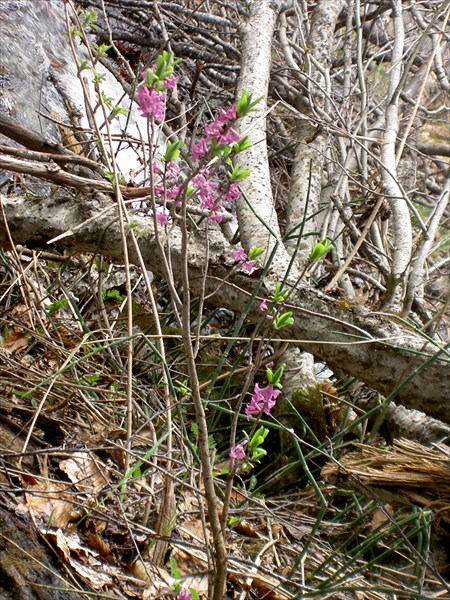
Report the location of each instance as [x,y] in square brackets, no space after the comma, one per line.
[348,163]
[376,111]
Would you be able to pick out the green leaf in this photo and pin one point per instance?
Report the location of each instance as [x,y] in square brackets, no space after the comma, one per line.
[98,78]
[194,429]
[74,32]
[258,454]
[246,104]
[238,174]
[117,110]
[258,438]
[252,483]
[173,150]
[101,50]
[319,250]
[284,320]
[112,294]
[255,252]
[57,305]
[279,294]
[242,145]
[274,378]
[137,472]
[108,100]
[174,570]
[88,17]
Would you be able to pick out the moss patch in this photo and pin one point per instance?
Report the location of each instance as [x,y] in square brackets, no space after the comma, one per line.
[308,402]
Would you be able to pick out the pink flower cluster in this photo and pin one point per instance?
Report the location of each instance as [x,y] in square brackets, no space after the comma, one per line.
[263,399]
[167,187]
[152,103]
[264,307]
[163,217]
[206,190]
[169,184]
[241,257]
[169,181]
[219,132]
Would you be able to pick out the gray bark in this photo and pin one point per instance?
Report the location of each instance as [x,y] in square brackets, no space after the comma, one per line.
[306,183]
[400,422]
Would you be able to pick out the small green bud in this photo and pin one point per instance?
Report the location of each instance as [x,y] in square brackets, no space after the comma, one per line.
[319,250]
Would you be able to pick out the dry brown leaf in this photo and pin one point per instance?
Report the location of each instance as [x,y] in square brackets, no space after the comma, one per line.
[246,528]
[157,579]
[97,543]
[49,499]
[276,528]
[84,472]
[15,342]
[190,559]
[193,529]
[327,387]
[98,525]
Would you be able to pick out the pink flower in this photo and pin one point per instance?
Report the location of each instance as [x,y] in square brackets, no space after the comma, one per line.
[173,192]
[248,265]
[264,305]
[227,115]
[262,400]
[184,595]
[205,189]
[151,103]
[239,255]
[215,216]
[159,191]
[203,182]
[233,192]
[163,217]
[213,130]
[238,452]
[218,128]
[172,169]
[230,136]
[199,150]
[170,82]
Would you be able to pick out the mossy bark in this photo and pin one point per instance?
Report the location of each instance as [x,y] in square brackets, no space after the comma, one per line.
[305,415]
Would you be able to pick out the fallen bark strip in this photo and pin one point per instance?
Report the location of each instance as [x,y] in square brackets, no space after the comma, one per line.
[370,347]
[400,422]
[408,473]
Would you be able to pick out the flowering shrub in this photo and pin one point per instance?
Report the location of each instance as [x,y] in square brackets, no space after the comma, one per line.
[219,144]
[262,401]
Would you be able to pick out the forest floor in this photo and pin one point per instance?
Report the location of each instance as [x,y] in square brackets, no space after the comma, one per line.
[82,488]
